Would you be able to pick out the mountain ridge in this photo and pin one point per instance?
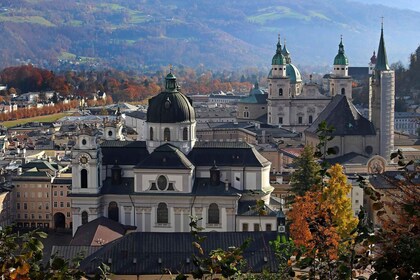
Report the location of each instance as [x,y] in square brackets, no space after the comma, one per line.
[144,35]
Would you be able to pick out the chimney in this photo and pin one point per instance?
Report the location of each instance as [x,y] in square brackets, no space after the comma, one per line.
[116,178]
[226,185]
[214,175]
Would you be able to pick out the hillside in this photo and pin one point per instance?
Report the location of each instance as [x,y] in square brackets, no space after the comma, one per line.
[145,34]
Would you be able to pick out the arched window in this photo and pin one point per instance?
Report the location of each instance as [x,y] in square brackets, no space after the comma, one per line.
[185,134]
[310,119]
[213,214]
[166,134]
[280,92]
[83,179]
[85,217]
[151,133]
[162,213]
[113,212]
[343,91]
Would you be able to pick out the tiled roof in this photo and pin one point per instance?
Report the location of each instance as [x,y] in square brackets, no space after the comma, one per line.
[344,117]
[165,157]
[255,99]
[150,253]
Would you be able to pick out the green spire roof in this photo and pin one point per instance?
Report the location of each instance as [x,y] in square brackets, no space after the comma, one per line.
[286,53]
[341,58]
[381,59]
[278,58]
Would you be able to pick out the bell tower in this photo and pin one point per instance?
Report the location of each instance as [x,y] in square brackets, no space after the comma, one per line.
[341,82]
[382,100]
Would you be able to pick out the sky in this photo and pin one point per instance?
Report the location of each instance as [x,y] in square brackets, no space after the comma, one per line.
[400,4]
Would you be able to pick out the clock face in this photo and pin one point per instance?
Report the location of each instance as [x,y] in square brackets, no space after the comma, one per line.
[83,159]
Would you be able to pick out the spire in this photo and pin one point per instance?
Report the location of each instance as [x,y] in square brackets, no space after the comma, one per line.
[341,46]
[381,59]
[286,53]
[278,45]
[341,58]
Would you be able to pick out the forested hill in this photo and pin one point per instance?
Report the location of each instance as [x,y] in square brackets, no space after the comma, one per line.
[145,34]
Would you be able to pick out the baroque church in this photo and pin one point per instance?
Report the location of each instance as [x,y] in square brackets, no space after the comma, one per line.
[157,184]
[294,105]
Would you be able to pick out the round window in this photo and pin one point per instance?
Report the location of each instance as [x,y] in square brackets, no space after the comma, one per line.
[84,142]
[110,133]
[369,149]
[162,183]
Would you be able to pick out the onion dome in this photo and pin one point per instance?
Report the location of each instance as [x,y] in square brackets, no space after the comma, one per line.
[341,58]
[278,58]
[293,73]
[170,106]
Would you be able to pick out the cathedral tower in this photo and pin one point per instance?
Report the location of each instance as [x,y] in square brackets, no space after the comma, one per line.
[382,100]
[278,90]
[341,82]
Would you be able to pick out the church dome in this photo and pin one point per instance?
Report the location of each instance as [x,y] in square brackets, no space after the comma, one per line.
[170,106]
[341,58]
[293,73]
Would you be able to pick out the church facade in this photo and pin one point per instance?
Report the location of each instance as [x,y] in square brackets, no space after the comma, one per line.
[157,184]
[294,105]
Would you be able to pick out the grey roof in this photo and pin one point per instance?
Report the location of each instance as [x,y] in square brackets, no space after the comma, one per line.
[248,208]
[255,99]
[202,187]
[382,59]
[123,152]
[226,154]
[166,156]
[349,158]
[70,252]
[138,253]
[344,117]
[137,114]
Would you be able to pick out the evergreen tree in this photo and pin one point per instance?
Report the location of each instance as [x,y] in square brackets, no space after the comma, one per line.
[306,172]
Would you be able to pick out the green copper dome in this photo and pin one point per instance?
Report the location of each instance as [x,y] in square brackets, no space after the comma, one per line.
[293,73]
[278,58]
[170,106]
[341,58]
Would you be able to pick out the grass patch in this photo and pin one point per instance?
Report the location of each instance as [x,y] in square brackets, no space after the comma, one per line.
[75,23]
[276,13]
[27,19]
[67,56]
[48,118]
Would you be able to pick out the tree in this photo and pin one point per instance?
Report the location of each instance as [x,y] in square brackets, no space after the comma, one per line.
[306,172]
[336,194]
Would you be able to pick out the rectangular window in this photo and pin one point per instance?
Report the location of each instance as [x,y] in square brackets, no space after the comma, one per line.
[39,205]
[32,195]
[18,194]
[268,227]
[256,227]
[61,193]
[280,120]
[25,194]
[55,193]
[46,195]
[300,120]
[47,205]
[245,227]
[61,204]
[18,215]
[26,216]
[39,194]
[25,206]
[18,206]
[55,204]
[33,216]
[40,216]
[68,204]
[68,214]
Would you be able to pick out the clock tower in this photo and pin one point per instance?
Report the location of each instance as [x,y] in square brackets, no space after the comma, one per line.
[86,178]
